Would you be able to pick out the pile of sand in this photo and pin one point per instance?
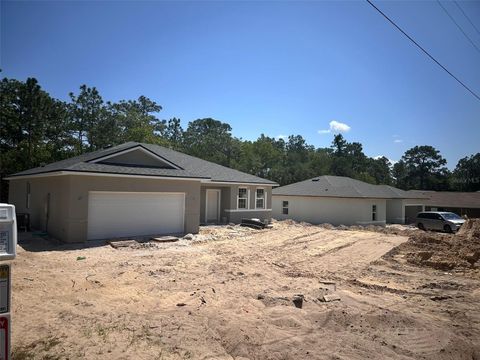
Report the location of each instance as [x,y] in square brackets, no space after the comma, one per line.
[443,251]
[470,229]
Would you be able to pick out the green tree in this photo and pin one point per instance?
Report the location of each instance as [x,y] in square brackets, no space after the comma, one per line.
[209,139]
[466,176]
[424,169]
[339,145]
[173,132]
[380,170]
[33,128]
[296,160]
[348,159]
[262,157]
[136,121]
[88,113]
[320,162]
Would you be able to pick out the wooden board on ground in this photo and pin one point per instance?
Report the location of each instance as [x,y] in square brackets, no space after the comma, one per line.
[331,297]
[122,243]
[163,239]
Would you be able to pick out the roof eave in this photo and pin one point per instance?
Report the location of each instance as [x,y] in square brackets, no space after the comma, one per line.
[234,182]
[347,197]
[100,173]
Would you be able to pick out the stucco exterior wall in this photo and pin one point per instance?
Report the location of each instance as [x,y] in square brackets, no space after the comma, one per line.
[224,200]
[229,211]
[251,199]
[68,220]
[336,211]
[235,215]
[395,211]
[81,185]
[40,188]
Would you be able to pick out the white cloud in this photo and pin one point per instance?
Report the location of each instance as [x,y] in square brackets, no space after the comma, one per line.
[392,162]
[281,137]
[335,127]
[398,141]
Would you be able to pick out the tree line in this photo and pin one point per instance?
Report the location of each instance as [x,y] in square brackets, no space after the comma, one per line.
[38,129]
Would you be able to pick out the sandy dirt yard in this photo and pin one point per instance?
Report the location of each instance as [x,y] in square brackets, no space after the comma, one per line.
[228,295]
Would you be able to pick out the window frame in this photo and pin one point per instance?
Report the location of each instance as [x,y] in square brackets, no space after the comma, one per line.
[247,192]
[285,207]
[264,198]
[374,212]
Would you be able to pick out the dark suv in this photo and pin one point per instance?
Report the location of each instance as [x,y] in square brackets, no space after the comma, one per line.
[439,220]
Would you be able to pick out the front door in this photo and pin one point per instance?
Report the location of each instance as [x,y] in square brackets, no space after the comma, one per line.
[212,213]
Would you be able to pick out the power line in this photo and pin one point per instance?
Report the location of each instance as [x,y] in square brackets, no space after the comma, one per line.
[458,26]
[466,16]
[424,51]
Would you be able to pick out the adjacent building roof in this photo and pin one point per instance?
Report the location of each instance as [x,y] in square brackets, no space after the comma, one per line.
[450,198]
[183,166]
[345,187]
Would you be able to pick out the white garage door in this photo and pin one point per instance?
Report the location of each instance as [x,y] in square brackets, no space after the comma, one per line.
[121,214]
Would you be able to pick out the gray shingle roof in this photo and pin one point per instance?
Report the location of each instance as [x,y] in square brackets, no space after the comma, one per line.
[450,198]
[191,167]
[339,186]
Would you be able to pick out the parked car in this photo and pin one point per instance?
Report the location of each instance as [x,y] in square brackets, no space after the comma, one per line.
[439,220]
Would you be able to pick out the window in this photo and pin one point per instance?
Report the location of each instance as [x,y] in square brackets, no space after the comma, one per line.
[242,198]
[285,207]
[260,199]
[374,212]
[28,196]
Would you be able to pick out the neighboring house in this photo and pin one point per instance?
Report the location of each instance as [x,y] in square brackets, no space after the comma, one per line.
[461,203]
[135,189]
[340,200]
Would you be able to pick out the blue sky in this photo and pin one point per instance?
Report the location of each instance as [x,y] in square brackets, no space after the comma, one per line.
[277,68]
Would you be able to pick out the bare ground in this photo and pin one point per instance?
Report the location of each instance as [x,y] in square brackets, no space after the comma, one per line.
[230,297]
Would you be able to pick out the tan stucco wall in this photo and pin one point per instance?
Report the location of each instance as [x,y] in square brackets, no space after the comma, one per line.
[224,200]
[262,214]
[229,202]
[251,200]
[336,211]
[68,219]
[58,187]
[81,185]
[69,200]
[237,216]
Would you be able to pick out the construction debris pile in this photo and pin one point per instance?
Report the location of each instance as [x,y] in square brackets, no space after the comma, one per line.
[405,230]
[442,251]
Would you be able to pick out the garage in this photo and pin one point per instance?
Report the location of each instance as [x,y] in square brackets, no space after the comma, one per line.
[411,212]
[122,214]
